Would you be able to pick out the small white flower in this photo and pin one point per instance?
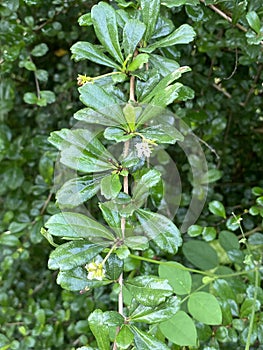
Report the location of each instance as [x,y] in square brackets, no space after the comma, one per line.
[143,149]
[95,271]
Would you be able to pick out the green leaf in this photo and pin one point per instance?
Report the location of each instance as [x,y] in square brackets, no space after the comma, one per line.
[257,191]
[178,278]
[94,96]
[72,254]
[158,314]
[99,329]
[76,280]
[142,188]
[182,35]
[77,191]
[39,50]
[85,20]
[150,13]
[30,98]
[110,186]
[113,267]
[138,61]
[162,133]
[124,337]
[13,177]
[114,117]
[217,208]
[253,21]
[7,239]
[228,240]
[105,25]
[81,150]
[162,86]
[132,34]
[180,329]
[146,341]
[161,230]
[200,254]
[74,225]
[137,242]
[205,308]
[112,217]
[46,97]
[149,290]
[84,50]
[116,134]
[211,176]
[195,230]
[163,64]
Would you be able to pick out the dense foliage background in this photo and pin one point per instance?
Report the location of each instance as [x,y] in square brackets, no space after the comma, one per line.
[38,92]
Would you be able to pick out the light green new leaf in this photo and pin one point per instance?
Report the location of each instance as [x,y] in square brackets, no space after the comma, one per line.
[157,314]
[84,50]
[124,337]
[180,329]
[132,34]
[85,20]
[205,308]
[149,290]
[99,329]
[161,230]
[105,25]
[110,186]
[94,96]
[138,61]
[253,21]
[146,341]
[74,225]
[77,191]
[72,254]
[217,208]
[182,35]
[150,13]
[76,280]
[178,278]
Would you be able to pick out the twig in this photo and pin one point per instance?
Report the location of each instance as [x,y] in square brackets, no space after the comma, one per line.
[209,147]
[252,89]
[36,81]
[219,88]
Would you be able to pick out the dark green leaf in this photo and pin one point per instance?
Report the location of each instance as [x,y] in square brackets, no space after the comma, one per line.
[200,254]
[13,177]
[99,329]
[149,290]
[180,329]
[110,186]
[150,13]
[112,217]
[161,230]
[77,191]
[74,225]
[39,50]
[217,208]
[253,21]
[114,117]
[142,188]
[137,242]
[162,133]
[146,341]
[105,24]
[94,96]
[178,278]
[228,240]
[83,50]
[72,254]
[182,35]
[158,314]
[205,308]
[163,64]
[9,240]
[113,267]
[132,34]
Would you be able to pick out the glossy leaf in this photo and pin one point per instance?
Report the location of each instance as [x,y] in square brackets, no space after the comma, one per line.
[182,35]
[105,25]
[176,3]
[84,50]
[146,341]
[149,290]
[163,64]
[178,278]
[217,208]
[74,225]
[161,230]
[158,314]
[132,34]
[253,21]
[162,133]
[39,50]
[150,13]
[99,329]
[205,308]
[114,117]
[228,240]
[138,61]
[137,242]
[94,96]
[116,134]
[110,186]
[112,217]
[77,191]
[200,254]
[124,337]
[113,267]
[142,188]
[180,329]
